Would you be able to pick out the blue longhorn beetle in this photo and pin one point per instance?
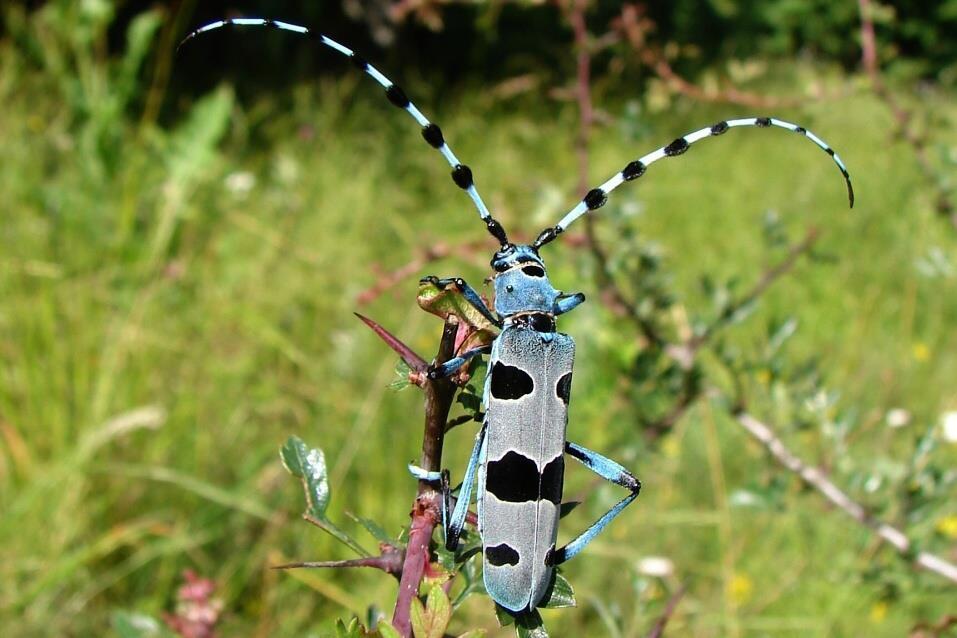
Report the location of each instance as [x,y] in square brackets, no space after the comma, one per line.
[518,457]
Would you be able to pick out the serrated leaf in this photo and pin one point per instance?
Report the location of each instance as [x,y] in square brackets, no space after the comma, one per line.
[449,301]
[417,616]
[388,631]
[430,620]
[559,593]
[309,466]
[438,607]
[530,625]
[401,381]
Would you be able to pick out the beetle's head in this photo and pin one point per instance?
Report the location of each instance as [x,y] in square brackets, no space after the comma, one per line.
[521,283]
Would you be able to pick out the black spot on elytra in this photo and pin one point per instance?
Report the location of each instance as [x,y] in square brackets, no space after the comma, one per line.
[552,478]
[534,271]
[510,383]
[513,478]
[500,555]
[564,387]
[634,170]
[595,198]
[677,147]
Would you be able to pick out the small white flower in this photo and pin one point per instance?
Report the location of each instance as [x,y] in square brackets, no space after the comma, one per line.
[657,566]
[240,183]
[949,426]
[897,418]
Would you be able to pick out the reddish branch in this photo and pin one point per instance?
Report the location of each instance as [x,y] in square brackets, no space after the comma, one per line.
[425,511]
[659,629]
[389,560]
[633,25]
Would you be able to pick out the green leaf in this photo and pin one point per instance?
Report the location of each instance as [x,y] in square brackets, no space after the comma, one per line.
[352,630]
[139,38]
[388,631]
[529,625]
[127,624]
[401,381]
[431,620]
[504,616]
[417,615]
[449,300]
[559,593]
[309,466]
[375,530]
[474,633]
[780,332]
[437,605]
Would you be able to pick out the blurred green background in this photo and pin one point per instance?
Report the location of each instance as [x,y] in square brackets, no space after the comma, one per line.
[185,238]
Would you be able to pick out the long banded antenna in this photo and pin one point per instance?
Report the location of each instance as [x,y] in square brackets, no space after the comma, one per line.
[461,173]
[596,197]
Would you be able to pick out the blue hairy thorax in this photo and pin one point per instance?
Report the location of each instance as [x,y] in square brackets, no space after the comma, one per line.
[521,283]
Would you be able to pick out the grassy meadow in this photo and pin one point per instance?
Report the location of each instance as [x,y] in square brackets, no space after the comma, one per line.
[176,299]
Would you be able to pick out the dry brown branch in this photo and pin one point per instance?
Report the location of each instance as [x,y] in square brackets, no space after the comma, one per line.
[686,353]
[634,26]
[390,279]
[903,117]
[815,478]
[927,629]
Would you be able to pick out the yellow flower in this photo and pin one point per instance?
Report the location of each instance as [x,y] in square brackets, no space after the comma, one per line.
[879,611]
[921,351]
[671,447]
[947,526]
[740,588]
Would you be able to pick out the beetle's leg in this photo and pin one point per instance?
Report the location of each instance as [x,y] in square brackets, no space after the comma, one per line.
[453,524]
[568,302]
[609,470]
[470,295]
[450,366]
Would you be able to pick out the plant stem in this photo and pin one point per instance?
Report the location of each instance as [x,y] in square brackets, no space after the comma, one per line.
[425,511]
